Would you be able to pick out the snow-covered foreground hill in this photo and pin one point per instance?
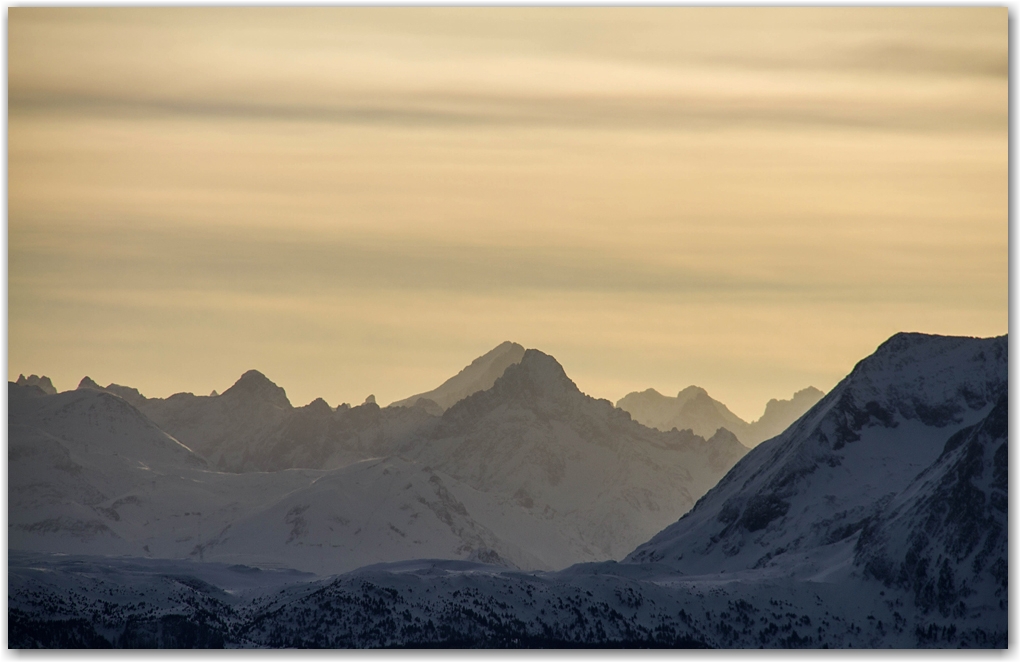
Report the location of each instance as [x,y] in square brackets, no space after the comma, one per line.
[88,602]
[877,520]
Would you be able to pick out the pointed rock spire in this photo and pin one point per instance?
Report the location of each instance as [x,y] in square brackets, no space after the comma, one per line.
[253,385]
[86,382]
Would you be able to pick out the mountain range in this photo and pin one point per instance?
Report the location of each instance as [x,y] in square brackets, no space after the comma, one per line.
[694,409]
[877,519]
[529,473]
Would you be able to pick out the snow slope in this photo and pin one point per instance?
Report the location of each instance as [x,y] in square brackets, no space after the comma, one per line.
[943,539]
[790,500]
[88,473]
[388,510]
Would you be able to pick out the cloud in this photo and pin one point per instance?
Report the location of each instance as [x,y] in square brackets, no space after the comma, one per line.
[931,70]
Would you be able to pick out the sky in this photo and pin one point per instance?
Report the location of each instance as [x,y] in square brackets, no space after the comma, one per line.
[362,200]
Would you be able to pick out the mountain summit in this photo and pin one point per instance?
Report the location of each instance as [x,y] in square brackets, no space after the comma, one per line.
[223,428]
[254,385]
[797,503]
[478,376]
[43,383]
[538,383]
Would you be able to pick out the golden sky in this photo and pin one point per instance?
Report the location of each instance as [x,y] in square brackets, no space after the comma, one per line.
[362,200]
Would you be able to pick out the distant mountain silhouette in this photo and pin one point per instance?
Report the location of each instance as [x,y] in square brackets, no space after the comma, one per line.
[694,409]
[480,375]
[42,383]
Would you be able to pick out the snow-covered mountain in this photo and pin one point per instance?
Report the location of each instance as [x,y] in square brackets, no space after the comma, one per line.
[530,473]
[70,457]
[539,476]
[88,473]
[480,375]
[223,428]
[252,426]
[537,442]
[693,408]
[389,510]
[791,499]
[877,520]
[943,538]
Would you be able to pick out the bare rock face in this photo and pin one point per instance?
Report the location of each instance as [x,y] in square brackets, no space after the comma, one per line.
[252,387]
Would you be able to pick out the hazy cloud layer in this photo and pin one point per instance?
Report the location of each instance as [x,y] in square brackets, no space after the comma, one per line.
[361,200]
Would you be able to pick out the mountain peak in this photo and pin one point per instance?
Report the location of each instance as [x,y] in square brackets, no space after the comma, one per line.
[809,392]
[43,383]
[723,436]
[538,374]
[691,392]
[479,375]
[253,384]
[319,407]
[926,375]
[507,346]
[537,382]
[545,368]
[87,382]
